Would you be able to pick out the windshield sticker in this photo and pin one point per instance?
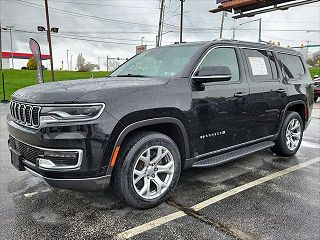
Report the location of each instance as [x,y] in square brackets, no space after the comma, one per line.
[258,66]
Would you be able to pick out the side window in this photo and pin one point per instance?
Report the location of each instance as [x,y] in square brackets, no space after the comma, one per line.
[262,65]
[291,66]
[223,57]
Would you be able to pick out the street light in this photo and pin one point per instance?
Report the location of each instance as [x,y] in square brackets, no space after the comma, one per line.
[68,60]
[9,28]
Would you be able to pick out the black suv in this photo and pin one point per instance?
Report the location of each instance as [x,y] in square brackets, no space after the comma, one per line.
[167,109]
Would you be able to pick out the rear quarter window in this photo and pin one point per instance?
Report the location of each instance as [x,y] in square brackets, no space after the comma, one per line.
[291,65]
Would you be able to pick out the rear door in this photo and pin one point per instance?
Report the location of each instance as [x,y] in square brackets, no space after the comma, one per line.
[268,94]
[220,109]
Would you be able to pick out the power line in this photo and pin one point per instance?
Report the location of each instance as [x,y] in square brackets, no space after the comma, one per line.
[81,14]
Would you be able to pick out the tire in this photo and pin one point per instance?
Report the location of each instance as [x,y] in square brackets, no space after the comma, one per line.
[292,128]
[134,156]
[315,99]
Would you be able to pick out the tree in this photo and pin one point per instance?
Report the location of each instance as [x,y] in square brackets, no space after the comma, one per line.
[84,66]
[314,60]
[32,64]
[80,62]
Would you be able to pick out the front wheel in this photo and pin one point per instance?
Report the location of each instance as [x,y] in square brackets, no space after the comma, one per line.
[290,136]
[147,170]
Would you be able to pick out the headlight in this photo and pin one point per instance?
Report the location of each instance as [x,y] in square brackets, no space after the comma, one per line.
[67,113]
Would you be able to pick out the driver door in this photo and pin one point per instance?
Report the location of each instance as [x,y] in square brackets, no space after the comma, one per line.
[221,109]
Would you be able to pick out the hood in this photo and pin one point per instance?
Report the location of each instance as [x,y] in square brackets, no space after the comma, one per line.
[69,91]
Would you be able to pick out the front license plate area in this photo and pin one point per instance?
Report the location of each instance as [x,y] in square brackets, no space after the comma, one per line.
[16,160]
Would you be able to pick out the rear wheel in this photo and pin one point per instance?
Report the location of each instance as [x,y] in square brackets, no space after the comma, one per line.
[290,136]
[147,170]
[315,99]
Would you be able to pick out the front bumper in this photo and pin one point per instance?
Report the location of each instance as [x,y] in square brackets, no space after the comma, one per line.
[82,184]
[87,173]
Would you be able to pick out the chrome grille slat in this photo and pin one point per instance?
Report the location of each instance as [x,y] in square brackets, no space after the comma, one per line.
[25,114]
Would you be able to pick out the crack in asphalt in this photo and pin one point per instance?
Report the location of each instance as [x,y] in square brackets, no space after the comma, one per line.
[229,230]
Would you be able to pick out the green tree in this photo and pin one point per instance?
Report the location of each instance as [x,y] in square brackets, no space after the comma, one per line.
[32,64]
[80,62]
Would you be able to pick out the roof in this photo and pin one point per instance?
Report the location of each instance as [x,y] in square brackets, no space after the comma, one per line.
[241,44]
[18,55]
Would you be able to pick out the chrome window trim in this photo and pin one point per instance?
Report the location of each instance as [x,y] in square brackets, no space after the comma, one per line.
[213,48]
[71,167]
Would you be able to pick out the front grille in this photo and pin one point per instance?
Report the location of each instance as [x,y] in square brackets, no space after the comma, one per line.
[25,114]
[29,153]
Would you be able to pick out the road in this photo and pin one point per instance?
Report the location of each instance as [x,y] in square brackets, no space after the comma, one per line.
[261,196]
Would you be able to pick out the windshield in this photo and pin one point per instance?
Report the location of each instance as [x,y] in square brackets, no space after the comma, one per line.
[157,62]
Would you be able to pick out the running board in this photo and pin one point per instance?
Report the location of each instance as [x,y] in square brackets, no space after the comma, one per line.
[230,156]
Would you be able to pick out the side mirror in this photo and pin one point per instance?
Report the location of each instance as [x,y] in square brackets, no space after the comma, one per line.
[212,74]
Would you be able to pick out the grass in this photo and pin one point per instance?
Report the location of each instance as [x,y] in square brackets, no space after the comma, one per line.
[314,71]
[16,79]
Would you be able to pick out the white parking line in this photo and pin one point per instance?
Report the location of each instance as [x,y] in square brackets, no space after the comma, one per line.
[168,218]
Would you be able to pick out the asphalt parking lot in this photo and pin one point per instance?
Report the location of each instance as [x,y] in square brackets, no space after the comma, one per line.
[257,197]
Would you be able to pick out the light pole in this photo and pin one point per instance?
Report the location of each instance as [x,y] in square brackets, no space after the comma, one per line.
[71,63]
[99,62]
[260,27]
[142,41]
[9,28]
[0,48]
[68,60]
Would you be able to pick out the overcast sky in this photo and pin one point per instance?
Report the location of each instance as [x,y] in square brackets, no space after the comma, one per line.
[114,27]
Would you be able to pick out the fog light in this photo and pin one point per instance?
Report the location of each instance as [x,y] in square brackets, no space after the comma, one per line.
[60,159]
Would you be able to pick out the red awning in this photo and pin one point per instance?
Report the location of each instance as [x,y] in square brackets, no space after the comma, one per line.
[23,55]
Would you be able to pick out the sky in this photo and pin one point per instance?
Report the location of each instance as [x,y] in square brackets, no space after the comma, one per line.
[114,28]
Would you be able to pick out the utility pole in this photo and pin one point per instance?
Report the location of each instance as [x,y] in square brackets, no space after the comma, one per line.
[260,30]
[222,22]
[181,21]
[49,39]
[160,22]
[68,60]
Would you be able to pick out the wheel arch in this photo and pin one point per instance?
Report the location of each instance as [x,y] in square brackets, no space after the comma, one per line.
[298,106]
[169,126]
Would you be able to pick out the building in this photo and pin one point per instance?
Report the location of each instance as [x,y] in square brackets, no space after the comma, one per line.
[6,58]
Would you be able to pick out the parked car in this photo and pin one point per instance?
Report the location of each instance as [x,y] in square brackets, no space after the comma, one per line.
[316,87]
[165,110]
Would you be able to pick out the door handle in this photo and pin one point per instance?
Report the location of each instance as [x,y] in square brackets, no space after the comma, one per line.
[281,90]
[240,94]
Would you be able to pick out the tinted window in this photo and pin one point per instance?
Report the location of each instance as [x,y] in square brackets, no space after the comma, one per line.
[291,65]
[223,57]
[262,65]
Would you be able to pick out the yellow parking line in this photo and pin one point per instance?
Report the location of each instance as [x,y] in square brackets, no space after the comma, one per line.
[168,218]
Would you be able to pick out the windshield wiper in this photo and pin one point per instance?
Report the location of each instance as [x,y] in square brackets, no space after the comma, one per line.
[131,75]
